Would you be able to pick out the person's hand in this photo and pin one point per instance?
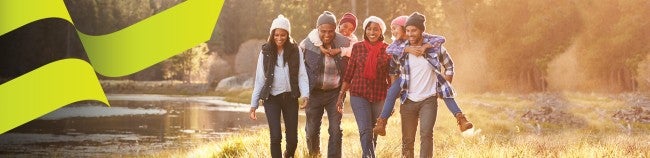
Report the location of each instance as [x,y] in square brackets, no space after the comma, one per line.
[330,52]
[252,115]
[419,51]
[427,46]
[448,78]
[334,52]
[324,51]
[409,49]
[305,101]
[415,50]
[339,102]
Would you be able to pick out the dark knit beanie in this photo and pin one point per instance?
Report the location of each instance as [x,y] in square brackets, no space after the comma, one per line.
[416,19]
[326,18]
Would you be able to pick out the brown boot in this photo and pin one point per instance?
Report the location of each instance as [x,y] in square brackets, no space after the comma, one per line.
[380,127]
[462,122]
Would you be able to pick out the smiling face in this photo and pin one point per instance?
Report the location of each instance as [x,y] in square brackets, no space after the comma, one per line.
[280,37]
[397,32]
[414,35]
[326,33]
[346,28]
[373,32]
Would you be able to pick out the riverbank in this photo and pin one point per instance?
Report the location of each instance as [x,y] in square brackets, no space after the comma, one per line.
[175,88]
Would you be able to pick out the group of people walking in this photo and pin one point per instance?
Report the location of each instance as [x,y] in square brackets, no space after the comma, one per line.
[331,61]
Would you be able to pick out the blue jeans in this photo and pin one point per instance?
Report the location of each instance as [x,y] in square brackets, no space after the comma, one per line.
[365,114]
[284,105]
[393,94]
[320,101]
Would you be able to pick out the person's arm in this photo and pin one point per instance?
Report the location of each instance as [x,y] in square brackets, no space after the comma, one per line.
[352,64]
[347,78]
[394,65]
[432,41]
[257,88]
[392,79]
[399,46]
[447,63]
[339,102]
[347,51]
[314,38]
[303,79]
[341,42]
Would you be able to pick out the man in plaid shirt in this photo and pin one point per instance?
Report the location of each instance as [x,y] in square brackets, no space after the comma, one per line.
[421,81]
[324,70]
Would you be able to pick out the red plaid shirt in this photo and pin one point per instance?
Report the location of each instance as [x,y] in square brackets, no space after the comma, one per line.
[372,90]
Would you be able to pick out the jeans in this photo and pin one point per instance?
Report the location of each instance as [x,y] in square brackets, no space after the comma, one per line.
[366,114]
[284,105]
[393,94]
[426,112]
[320,101]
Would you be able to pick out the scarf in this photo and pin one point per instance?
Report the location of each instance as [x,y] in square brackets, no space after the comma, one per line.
[370,70]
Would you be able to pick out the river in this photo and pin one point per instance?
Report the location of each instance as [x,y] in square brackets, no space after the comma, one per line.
[134,124]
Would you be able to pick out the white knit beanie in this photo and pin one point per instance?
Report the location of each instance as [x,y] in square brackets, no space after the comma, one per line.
[377,20]
[282,23]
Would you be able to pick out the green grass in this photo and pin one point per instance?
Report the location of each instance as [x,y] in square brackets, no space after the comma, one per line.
[236,96]
[502,134]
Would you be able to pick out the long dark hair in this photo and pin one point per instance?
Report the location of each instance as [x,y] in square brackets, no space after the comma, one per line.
[288,47]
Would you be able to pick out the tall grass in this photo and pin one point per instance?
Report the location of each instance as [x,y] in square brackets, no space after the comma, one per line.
[502,133]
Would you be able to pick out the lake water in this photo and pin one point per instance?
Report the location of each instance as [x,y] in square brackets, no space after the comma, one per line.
[132,125]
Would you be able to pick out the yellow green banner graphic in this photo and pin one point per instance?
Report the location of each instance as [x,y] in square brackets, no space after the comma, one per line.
[46,89]
[120,53]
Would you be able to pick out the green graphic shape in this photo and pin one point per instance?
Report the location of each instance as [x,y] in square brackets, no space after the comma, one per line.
[120,53]
[133,48]
[46,89]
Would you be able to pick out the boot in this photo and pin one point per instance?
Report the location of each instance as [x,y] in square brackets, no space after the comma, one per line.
[462,122]
[380,127]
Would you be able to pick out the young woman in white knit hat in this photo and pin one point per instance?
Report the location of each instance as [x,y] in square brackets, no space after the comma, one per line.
[366,77]
[279,80]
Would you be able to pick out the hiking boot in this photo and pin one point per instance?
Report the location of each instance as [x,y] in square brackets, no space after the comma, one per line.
[380,127]
[462,122]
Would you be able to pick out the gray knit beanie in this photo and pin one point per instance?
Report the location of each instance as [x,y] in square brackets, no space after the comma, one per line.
[326,18]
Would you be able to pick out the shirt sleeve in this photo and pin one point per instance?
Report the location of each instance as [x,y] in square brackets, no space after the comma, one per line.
[352,64]
[396,48]
[447,62]
[314,38]
[303,79]
[259,82]
[346,51]
[394,65]
[433,40]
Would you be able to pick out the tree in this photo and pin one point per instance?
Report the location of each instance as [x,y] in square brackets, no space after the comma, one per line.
[184,65]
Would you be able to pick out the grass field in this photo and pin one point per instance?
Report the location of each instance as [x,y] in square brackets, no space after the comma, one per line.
[585,128]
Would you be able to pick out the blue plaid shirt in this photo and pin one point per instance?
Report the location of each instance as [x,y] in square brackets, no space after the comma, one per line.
[436,56]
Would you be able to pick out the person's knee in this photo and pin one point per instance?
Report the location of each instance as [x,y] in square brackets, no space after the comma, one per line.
[365,131]
[292,139]
[312,131]
[335,131]
[426,134]
[276,139]
[408,140]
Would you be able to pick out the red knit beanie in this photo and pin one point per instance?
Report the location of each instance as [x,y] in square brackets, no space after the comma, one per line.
[349,17]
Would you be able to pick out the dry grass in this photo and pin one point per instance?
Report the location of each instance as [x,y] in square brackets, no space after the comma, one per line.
[503,134]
